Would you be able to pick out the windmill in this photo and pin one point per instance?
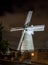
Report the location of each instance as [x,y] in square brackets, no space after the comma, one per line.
[26,41]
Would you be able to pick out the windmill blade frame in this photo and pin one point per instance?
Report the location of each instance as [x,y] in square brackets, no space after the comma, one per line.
[28,18]
[16,29]
[37,28]
[20,42]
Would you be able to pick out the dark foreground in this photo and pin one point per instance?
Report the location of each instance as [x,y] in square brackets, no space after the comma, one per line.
[16,63]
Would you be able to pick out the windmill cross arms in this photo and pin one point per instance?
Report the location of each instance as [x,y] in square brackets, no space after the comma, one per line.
[37,28]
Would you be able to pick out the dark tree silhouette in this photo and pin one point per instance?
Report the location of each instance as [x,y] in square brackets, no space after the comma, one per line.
[3,43]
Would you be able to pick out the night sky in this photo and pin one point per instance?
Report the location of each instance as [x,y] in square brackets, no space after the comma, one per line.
[12,5]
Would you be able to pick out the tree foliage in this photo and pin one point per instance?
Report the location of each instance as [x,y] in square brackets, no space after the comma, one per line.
[3,43]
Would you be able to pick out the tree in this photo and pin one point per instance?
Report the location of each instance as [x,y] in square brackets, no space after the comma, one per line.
[3,43]
[1,30]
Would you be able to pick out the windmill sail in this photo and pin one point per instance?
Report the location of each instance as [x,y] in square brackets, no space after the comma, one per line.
[16,29]
[28,18]
[21,40]
[38,28]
